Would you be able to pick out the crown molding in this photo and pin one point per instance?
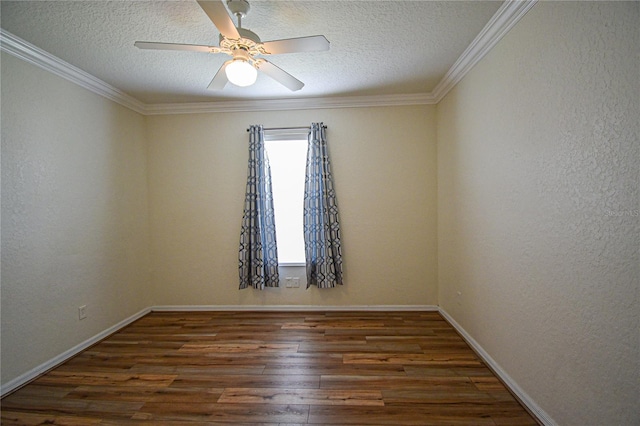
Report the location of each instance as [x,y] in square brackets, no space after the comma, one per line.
[28,52]
[498,26]
[504,19]
[290,104]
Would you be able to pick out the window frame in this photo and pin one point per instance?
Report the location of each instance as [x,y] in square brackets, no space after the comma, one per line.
[288,135]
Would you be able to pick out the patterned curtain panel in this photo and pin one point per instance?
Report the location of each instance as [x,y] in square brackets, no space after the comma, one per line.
[258,256]
[321,225]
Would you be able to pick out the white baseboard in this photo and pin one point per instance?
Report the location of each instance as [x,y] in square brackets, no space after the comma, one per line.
[534,408]
[53,362]
[291,308]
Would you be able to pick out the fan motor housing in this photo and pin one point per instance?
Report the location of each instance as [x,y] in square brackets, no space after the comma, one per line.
[245,34]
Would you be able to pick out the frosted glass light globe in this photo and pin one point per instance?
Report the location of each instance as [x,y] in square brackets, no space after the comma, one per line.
[241,73]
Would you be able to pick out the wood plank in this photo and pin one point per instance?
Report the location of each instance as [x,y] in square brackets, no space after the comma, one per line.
[466,359]
[400,414]
[431,396]
[21,418]
[189,394]
[441,383]
[100,379]
[202,370]
[139,422]
[259,381]
[381,331]
[224,413]
[238,348]
[336,369]
[111,393]
[329,325]
[301,396]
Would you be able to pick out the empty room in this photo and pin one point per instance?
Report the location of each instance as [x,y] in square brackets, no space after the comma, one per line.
[320,212]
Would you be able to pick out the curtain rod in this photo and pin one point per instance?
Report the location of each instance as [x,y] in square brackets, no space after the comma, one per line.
[288,128]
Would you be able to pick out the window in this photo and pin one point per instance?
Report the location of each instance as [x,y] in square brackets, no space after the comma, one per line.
[288,158]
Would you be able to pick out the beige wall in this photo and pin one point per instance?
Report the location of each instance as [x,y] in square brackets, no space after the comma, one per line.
[384,165]
[74,215]
[538,159]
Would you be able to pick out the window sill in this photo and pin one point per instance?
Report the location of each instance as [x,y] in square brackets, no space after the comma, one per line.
[292,264]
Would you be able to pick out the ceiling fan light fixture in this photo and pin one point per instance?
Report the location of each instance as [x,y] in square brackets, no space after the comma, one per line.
[241,73]
[243,45]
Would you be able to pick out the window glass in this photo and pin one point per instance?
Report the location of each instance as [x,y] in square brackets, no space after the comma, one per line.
[287,159]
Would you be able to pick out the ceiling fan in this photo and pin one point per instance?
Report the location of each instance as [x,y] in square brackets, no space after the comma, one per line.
[244,46]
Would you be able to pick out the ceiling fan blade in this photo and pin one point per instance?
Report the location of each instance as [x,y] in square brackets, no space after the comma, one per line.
[217,12]
[220,80]
[282,77]
[300,44]
[176,46]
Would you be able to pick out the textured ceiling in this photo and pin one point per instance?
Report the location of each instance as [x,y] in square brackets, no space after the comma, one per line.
[377,47]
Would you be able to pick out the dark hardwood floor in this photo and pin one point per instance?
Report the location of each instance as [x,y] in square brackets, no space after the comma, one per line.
[272,368]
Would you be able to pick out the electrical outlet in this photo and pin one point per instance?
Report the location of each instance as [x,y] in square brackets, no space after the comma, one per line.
[288,282]
[296,282]
[82,312]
